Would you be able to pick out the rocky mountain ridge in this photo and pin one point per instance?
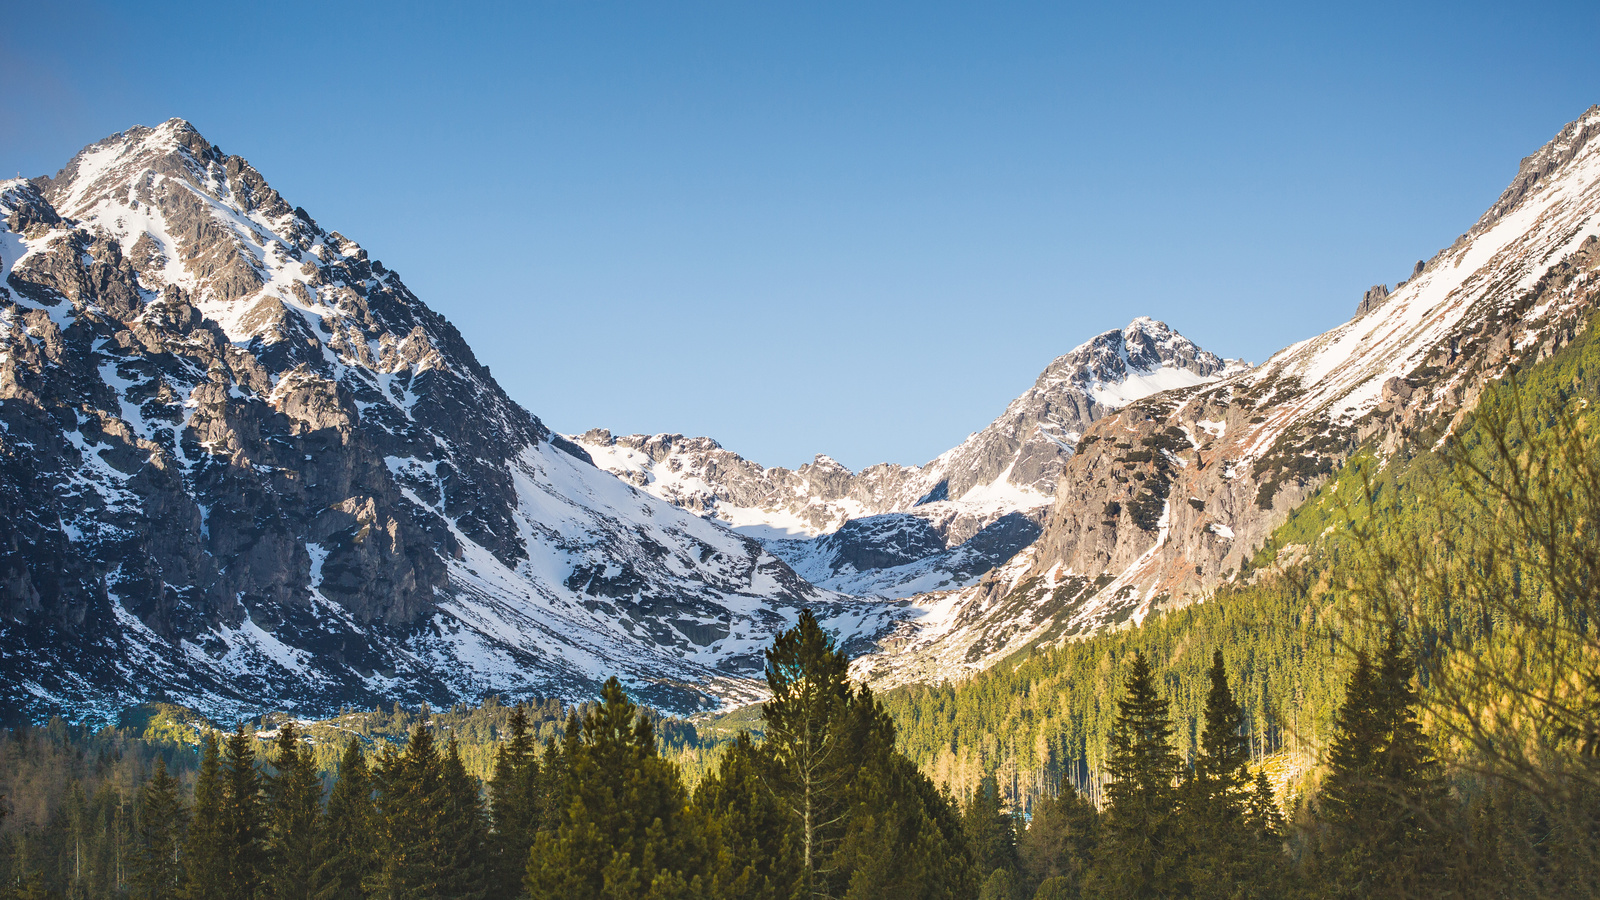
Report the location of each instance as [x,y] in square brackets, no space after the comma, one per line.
[892,530]
[243,466]
[1173,494]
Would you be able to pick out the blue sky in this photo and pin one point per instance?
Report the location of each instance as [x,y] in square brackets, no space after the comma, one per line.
[852,229]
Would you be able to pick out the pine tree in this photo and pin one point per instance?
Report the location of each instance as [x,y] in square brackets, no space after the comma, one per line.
[463,832]
[205,858]
[409,812]
[1380,805]
[243,822]
[1264,819]
[294,797]
[1225,858]
[1140,854]
[627,831]
[903,837]
[345,841]
[812,750]
[757,836]
[155,865]
[1060,840]
[991,831]
[515,805]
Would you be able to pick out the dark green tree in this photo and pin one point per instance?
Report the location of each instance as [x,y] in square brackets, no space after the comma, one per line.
[243,821]
[627,831]
[991,830]
[294,808]
[205,857]
[410,801]
[155,870]
[757,837]
[814,754]
[515,805]
[1227,856]
[903,837]
[345,841]
[463,831]
[1059,842]
[1140,853]
[1380,807]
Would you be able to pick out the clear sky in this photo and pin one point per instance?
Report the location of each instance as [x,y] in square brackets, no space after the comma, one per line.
[857,229]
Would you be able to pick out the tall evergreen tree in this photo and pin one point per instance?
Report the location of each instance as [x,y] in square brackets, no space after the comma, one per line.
[1225,853]
[345,841]
[1140,854]
[1380,805]
[1060,840]
[205,857]
[243,822]
[515,805]
[757,836]
[155,865]
[410,813]
[294,801]
[627,831]
[991,831]
[463,831]
[812,748]
[903,838]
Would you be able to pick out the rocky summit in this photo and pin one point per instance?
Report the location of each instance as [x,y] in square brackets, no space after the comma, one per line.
[1175,493]
[894,531]
[243,467]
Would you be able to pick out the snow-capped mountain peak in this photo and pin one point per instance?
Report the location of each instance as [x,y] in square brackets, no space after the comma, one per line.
[892,530]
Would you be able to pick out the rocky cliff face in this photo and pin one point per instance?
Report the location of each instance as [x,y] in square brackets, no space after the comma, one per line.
[893,531]
[242,466]
[1171,495]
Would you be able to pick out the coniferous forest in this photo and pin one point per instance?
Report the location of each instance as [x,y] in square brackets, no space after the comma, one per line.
[1402,700]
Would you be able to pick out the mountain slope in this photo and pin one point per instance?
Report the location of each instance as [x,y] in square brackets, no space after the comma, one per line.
[1170,496]
[891,530]
[243,466]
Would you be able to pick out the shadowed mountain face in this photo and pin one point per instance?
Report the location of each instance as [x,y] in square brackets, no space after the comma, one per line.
[242,466]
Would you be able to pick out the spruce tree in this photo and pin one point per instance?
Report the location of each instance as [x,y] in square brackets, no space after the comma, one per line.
[1380,804]
[756,835]
[243,822]
[345,841]
[409,813]
[294,799]
[1140,853]
[1059,842]
[205,857]
[813,753]
[463,831]
[515,806]
[991,831]
[1223,852]
[155,864]
[627,831]
[903,837]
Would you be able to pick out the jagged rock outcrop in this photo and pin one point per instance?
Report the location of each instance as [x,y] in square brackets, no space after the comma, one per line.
[850,531]
[242,466]
[1173,494]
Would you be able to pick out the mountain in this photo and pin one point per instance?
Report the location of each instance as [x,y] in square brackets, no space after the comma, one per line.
[893,531]
[242,467]
[1173,494]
